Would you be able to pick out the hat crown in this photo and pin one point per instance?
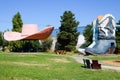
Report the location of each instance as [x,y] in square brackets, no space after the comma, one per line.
[29,29]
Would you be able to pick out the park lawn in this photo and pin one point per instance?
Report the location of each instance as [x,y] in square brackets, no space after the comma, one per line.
[105,57]
[42,66]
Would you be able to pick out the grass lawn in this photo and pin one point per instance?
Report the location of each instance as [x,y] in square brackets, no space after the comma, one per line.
[42,66]
[105,57]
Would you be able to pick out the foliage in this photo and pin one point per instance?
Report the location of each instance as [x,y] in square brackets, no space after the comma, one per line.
[31,46]
[17,22]
[1,38]
[3,43]
[118,23]
[88,33]
[17,26]
[118,33]
[118,36]
[46,44]
[67,37]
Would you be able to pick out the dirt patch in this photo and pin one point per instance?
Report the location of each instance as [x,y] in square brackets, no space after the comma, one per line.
[61,60]
[23,64]
[111,62]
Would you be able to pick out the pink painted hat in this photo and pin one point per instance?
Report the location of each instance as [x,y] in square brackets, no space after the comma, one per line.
[29,31]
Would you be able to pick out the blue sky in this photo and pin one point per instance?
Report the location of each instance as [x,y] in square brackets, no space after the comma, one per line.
[48,12]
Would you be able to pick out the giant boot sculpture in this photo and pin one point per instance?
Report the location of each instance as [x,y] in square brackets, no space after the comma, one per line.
[103,35]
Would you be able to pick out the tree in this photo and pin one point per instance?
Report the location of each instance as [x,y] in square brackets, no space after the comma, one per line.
[118,35]
[17,26]
[67,37]
[46,44]
[88,33]
[3,43]
[31,46]
[1,39]
[118,23]
[17,22]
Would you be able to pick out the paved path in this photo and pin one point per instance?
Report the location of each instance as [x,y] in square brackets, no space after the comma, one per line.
[79,59]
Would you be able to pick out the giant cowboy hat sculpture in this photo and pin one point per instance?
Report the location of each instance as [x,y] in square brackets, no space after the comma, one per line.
[29,31]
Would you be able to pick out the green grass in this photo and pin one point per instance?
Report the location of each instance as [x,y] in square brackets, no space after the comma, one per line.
[104,57]
[48,67]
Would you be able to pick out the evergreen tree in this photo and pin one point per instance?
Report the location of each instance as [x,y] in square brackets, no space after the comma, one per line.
[17,26]
[118,34]
[88,33]
[118,23]
[17,22]
[68,35]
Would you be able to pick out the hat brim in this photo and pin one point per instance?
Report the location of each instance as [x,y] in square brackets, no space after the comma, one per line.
[41,35]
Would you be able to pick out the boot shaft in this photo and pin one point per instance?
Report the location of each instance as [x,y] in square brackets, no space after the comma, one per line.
[106,28]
